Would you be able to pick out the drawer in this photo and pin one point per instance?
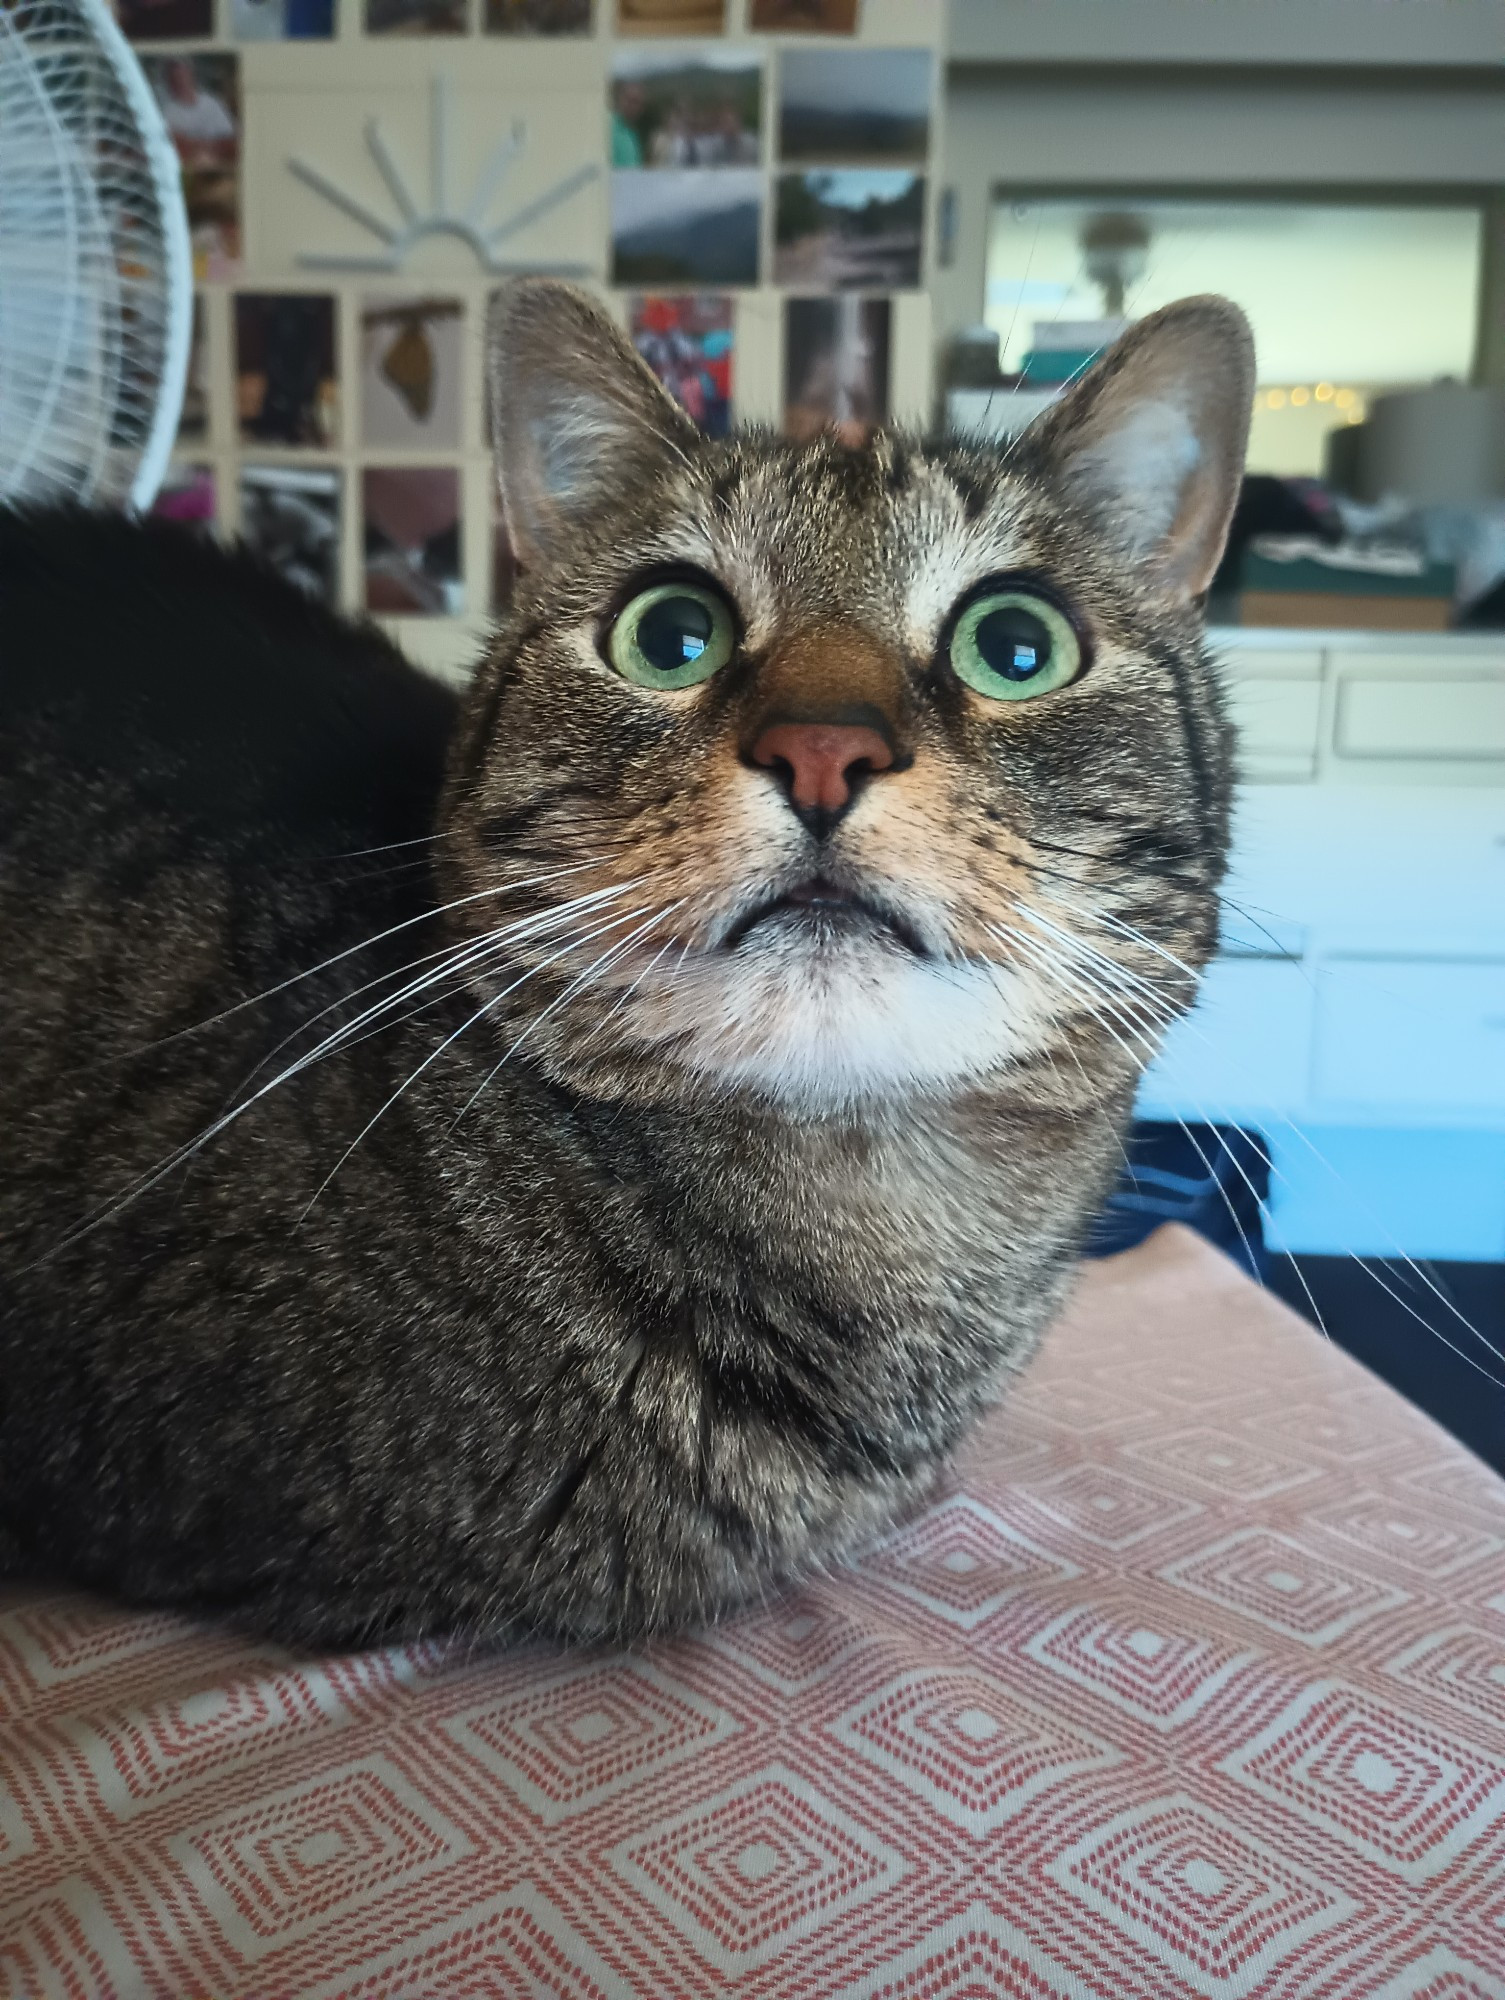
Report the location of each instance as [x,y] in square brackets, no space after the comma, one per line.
[1457,714]
[1275,718]
[1414,871]
[1245,1049]
[1411,1032]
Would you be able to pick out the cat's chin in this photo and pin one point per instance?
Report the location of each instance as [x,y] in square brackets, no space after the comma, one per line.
[825,1012]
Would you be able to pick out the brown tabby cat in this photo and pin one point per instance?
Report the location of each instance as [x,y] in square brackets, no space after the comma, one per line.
[575,1162]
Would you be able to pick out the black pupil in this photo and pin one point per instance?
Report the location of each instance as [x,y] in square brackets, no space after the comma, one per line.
[675,632]
[1013,642]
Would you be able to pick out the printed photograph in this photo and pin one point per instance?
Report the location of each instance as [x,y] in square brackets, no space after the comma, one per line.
[854,107]
[856,228]
[687,341]
[415,17]
[803,17]
[291,515]
[685,228]
[282,20]
[410,372]
[538,17]
[836,366]
[703,110]
[193,418]
[411,540]
[186,496]
[200,101]
[286,385]
[671,17]
[165,20]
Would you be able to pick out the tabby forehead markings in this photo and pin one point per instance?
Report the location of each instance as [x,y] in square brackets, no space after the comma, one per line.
[953,555]
[900,565]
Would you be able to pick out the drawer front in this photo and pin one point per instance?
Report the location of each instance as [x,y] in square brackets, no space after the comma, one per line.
[1454,715]
[1399,871]
[1412,1033]
[1245,1049]
[1275,718]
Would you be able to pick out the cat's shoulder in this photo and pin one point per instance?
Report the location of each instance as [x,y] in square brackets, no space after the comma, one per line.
[135,645]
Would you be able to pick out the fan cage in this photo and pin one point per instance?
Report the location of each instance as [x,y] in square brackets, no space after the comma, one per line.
[96,283]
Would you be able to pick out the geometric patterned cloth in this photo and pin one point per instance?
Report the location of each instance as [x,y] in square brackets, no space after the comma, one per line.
[1189,1685]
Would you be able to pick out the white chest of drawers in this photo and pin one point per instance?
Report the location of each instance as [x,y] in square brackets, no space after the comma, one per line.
[1357,1013]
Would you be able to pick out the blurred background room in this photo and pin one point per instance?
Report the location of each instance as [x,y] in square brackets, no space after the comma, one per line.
[849,212]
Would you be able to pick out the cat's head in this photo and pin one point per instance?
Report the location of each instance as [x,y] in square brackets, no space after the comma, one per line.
[840,773]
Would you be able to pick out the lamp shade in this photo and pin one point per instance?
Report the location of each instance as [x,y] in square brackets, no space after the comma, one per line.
[1440,446]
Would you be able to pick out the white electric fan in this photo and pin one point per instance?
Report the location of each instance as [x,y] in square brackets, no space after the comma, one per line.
[96,280]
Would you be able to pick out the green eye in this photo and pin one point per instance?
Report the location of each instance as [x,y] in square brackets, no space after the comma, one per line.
[672,636]
[1012,645]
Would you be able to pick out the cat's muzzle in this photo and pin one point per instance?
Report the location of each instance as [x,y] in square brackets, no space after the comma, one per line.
[820,913]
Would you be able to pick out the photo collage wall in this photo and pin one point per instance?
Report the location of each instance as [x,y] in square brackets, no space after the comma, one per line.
[776,149]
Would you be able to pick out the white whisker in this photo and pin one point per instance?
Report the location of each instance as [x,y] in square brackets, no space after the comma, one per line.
[434,1054]
[389,847]
[1148,997]
[458,958]
[1425,1277]
[621,946]
[1206,1163]
[338,1039]
[623,997]
[423,917]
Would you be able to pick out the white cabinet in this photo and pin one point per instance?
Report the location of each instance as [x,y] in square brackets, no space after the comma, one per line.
[1366,708]
[1426,1034]
[1363,969]
[1360,997]
[1243,1052]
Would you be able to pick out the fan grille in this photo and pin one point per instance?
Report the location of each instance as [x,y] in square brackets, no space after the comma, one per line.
[95,294]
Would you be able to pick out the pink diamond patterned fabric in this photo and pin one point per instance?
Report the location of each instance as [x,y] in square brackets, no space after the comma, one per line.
[1189,1686]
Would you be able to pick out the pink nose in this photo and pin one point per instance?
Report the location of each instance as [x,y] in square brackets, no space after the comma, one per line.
[820,760]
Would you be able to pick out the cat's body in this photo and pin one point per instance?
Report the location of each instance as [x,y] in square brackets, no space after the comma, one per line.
[586,1288]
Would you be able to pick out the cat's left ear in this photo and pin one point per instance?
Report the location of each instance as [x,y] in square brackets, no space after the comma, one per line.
[1151,440]
[580,420]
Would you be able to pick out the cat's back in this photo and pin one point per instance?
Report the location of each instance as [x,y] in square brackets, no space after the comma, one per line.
[142,664]
[208,785]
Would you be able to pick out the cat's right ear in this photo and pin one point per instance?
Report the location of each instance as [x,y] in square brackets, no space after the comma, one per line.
[579,419]
[1150,441]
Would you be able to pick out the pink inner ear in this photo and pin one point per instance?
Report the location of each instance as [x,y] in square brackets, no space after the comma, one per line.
[1154,436]
[579,420]
[1147,458]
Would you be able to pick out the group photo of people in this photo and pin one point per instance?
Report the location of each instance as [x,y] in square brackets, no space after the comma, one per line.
[699,112]
[687,341]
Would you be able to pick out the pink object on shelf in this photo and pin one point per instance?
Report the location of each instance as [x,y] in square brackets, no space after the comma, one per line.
[190,502]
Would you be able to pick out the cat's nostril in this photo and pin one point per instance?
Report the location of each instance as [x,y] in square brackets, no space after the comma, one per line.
[821,764]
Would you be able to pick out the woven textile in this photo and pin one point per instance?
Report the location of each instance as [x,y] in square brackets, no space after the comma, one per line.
[1190,1685]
